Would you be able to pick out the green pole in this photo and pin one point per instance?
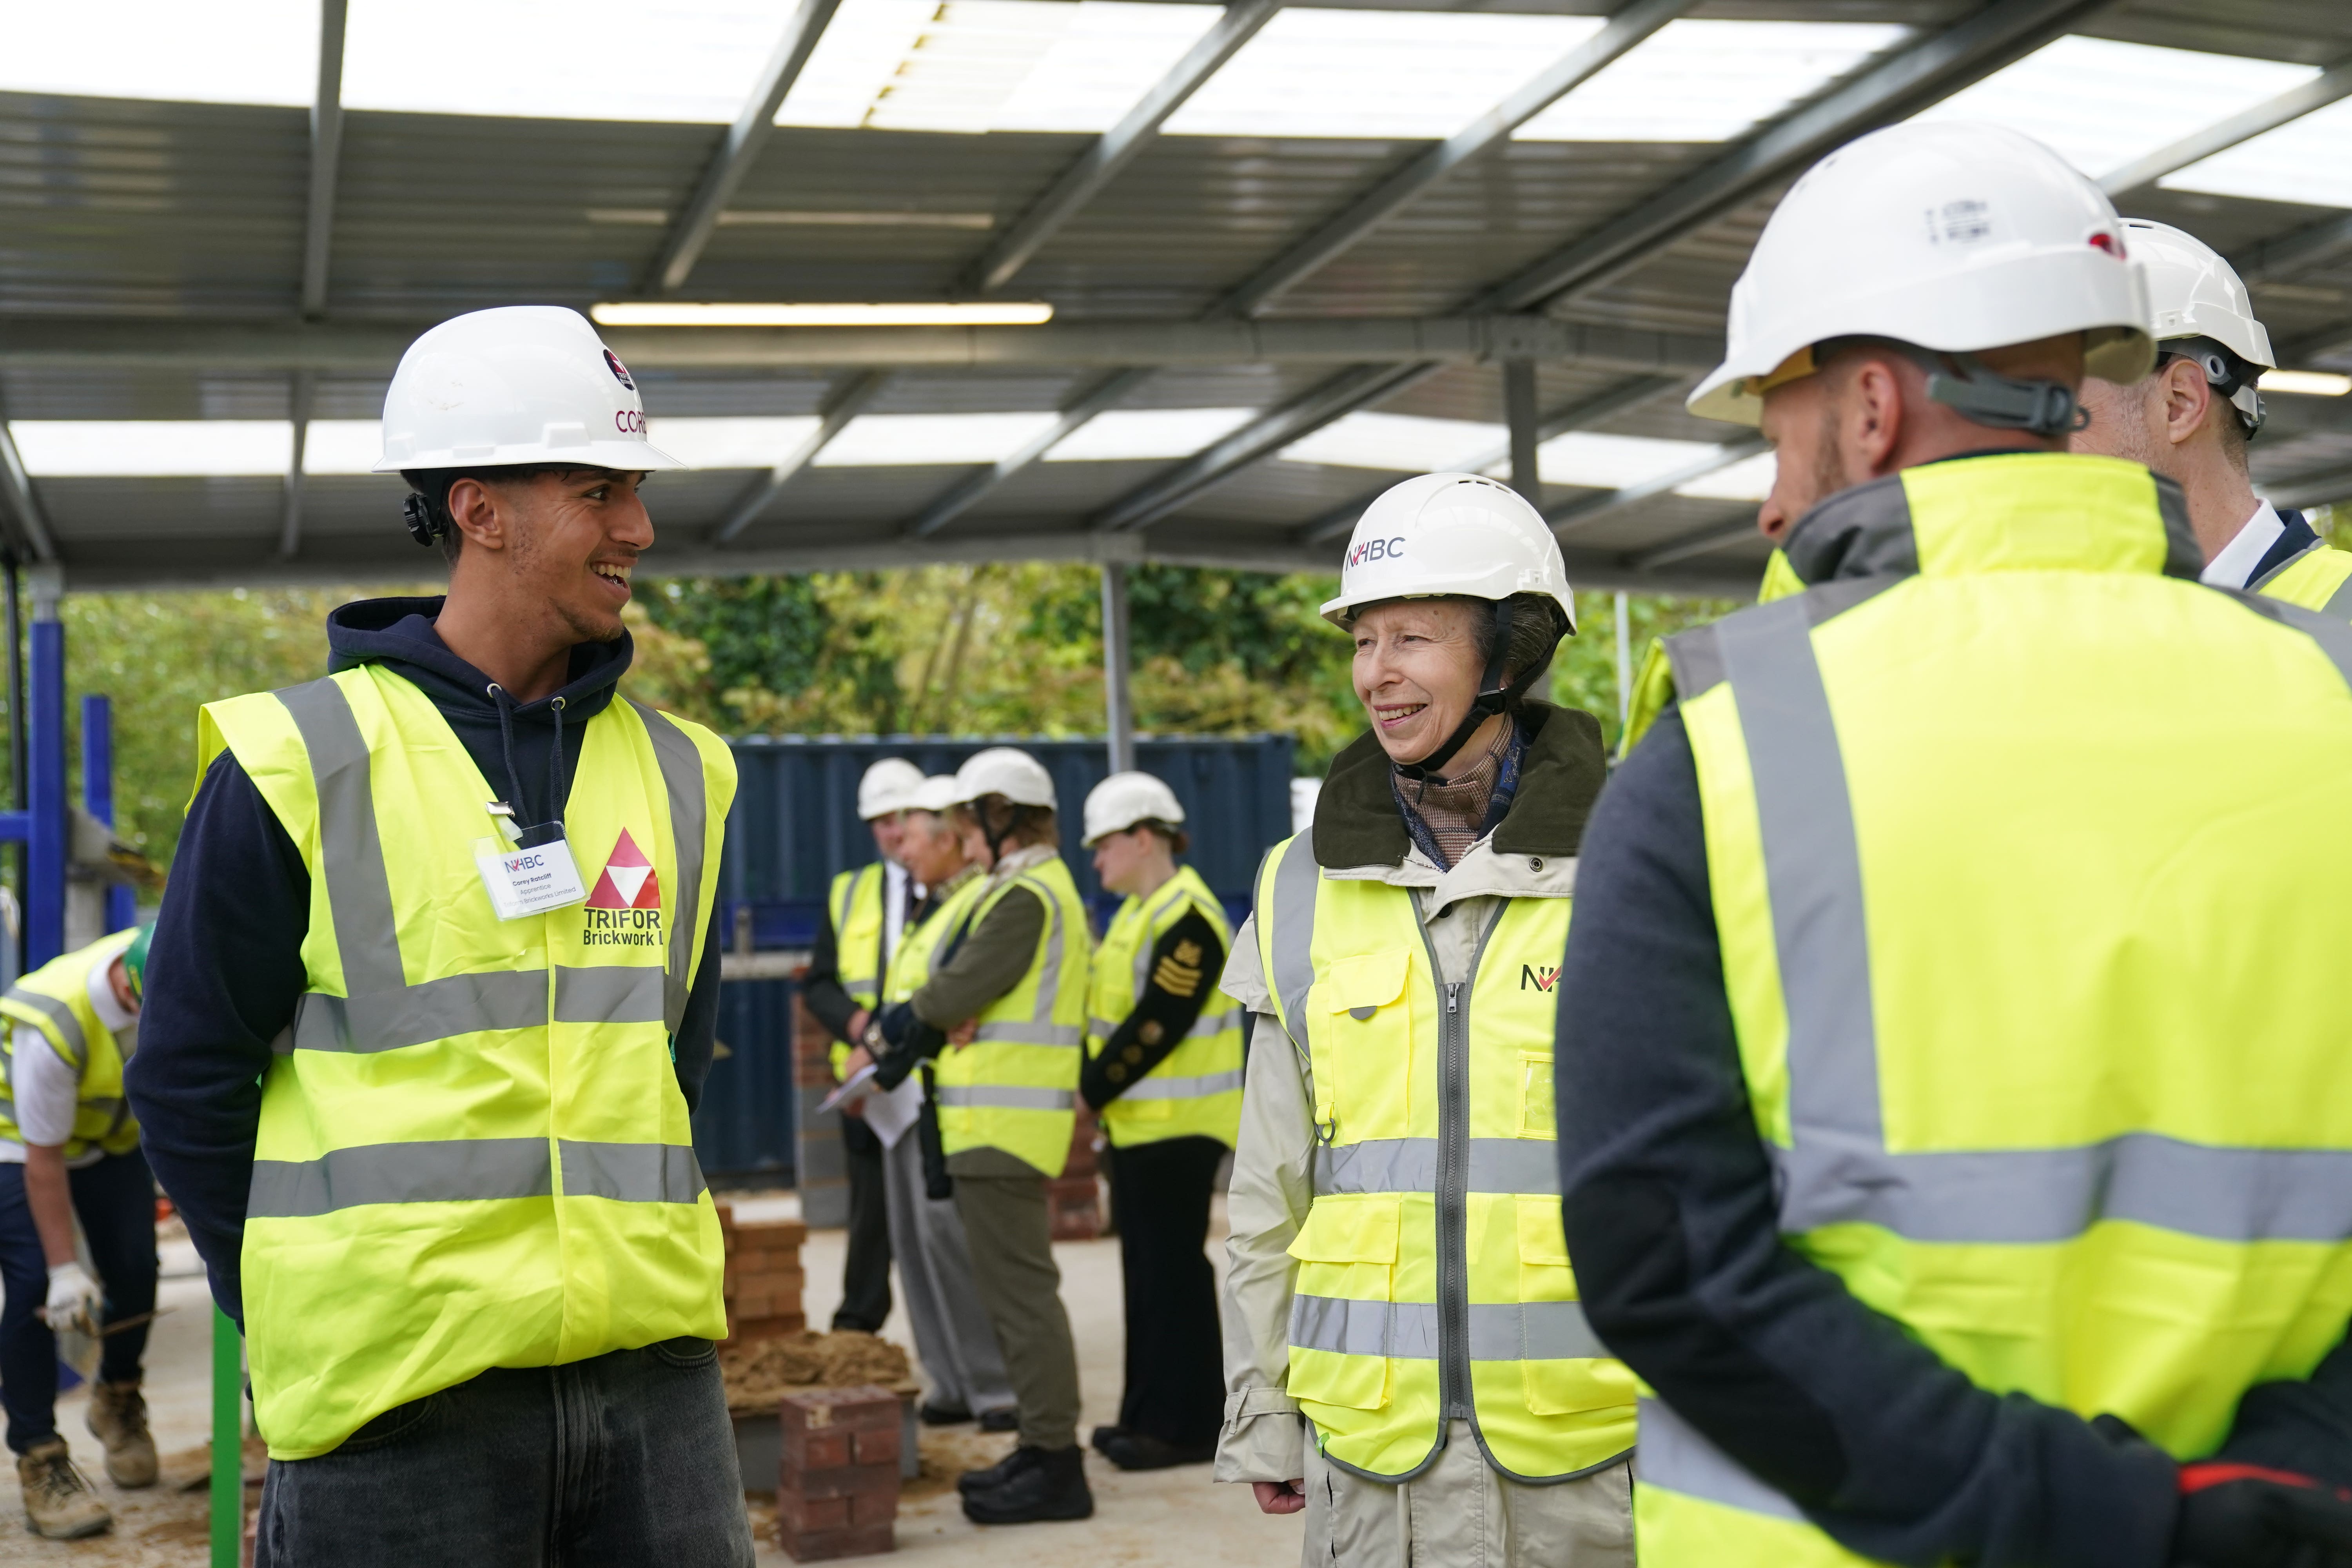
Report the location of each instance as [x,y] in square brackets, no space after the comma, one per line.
[228,1442]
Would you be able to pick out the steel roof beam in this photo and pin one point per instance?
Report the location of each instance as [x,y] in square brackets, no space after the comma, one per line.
[2299,251]
[2220,136]
[16,483]
[1356,387]
[1941,64]
[2325,343]
[41,342]
[1581,414]
[1106,392]
[738,148]
[326,156]
[1115,149]
[844,403]
[1578,514]
[289,523]
[1704,542]
[1629,27]
[2311,489]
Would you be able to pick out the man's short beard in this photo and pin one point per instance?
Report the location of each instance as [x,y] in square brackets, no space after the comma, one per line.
[1828,464]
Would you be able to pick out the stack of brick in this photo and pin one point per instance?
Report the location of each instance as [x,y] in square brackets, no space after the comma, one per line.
[1073,1198]
[838,1489]
[764,1276]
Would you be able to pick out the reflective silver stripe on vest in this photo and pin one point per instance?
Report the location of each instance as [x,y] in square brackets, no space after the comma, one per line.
[1027,1031]
[458,1170]
[1005,1096]
[1212,1024]
[1154,1087]
[61,1016]
[1408,1331]
[1673,1453]
[681,771]
[359,892]
[610,993]
[1839,1170]
[2339,602]
[1043,1030]
[630,1173]
[1410,1165]
[463,1004]
[1293,937]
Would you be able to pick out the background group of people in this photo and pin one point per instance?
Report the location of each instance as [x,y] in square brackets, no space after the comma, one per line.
[961,980]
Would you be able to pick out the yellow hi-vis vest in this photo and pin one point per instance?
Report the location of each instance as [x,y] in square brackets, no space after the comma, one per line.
[1434,1280]
[2043,1032]
[2318,578]
[1015,1086]
[1653,685]
[473,1152]
[854,902]
[1196,1089]
[50,1009]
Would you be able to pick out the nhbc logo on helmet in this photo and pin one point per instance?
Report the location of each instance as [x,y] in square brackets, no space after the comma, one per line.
[1389,549]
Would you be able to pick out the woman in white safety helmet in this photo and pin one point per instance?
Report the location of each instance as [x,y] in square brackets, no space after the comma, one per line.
[1164,1073]
[1412,1305]
[995,997]
[2192,416]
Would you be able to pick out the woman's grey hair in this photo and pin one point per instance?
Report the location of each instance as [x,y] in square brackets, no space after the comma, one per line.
[1537,627]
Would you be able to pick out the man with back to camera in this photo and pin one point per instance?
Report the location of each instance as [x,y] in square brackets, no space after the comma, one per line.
[2192,417]
[432,996]
[1951,1087]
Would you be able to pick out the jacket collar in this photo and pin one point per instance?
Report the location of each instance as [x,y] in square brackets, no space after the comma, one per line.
[2000,513]
[1358,825]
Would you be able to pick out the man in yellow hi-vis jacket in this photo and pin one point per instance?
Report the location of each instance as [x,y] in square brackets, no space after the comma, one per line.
[434,991]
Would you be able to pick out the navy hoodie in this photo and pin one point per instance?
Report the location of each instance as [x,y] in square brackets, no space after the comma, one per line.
[226,965]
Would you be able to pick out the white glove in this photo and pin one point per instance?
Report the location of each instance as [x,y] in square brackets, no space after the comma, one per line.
[73,1301]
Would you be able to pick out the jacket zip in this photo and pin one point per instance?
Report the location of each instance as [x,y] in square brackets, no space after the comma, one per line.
[1453,1174]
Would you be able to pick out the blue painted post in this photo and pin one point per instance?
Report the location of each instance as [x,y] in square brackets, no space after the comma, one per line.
[45,867]
[98,793]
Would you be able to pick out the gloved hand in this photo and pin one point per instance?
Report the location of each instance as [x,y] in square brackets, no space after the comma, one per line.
[73,1301]
[2244,1516]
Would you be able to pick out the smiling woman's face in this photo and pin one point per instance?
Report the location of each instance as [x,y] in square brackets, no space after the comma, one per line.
[1416,672]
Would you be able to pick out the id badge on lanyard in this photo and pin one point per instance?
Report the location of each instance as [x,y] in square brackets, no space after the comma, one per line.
[529,871]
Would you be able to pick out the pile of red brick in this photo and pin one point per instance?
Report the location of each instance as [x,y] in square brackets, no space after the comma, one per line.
[764,1276]
[838,1495]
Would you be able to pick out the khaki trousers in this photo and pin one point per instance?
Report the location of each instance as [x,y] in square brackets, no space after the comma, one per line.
[1459,1513]
[1012,1246]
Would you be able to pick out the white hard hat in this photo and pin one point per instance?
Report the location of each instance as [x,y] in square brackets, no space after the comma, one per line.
[1122,800]
[1450,534]
[934,794]
[2193,293]
[888,785]
[1949,235]
[522,384]
[1007,771]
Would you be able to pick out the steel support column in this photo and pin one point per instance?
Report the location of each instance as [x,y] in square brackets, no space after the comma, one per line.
[48,835]
[1119,712]
[326,156]
[97,794]
[1519,415]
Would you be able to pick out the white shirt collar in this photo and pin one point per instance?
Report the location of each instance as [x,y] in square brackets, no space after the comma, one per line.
[2238,559]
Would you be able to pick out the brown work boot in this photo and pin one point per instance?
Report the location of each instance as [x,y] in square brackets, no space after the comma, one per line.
[117,1418]
[57,1502]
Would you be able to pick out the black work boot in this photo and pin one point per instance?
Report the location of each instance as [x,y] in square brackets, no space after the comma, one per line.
[1140,1451]
[997,1474]
[1053,1485]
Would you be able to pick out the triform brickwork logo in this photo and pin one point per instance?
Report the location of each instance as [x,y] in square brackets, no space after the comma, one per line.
[624,906]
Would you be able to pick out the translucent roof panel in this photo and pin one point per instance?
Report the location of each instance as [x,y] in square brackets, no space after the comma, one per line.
[342,446]
[234,51]
[729,443]
[1131,433]
[2307,160]
[1315,72]
[1402,441]
[1748,479]
[1709,81]
[878,440]
[991,65]
[2101,104]
[1612,462]
[109,449]
[669,60]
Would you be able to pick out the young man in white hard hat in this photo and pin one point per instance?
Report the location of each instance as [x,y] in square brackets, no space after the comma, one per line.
[1953,1110]
[865,909]
[432,999]
[1405,1357]
[995,998]
[1163,1073]
[69,1150]
[953,1338]
[2192,417]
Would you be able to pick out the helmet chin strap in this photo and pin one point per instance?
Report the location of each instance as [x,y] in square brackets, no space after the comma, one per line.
[1493,692]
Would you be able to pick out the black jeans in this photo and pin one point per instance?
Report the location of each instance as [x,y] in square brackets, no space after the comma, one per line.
[116,1200]
[626,1459]
[1175,1371]
[865,1270]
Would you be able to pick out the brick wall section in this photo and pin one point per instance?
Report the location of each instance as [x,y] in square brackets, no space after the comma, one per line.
[764,1276]
[837,1491]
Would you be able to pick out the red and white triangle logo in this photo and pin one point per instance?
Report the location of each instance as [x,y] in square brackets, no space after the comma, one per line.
[629,881]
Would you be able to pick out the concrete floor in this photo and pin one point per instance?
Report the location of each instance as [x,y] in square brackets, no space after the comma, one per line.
[1175,1518]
